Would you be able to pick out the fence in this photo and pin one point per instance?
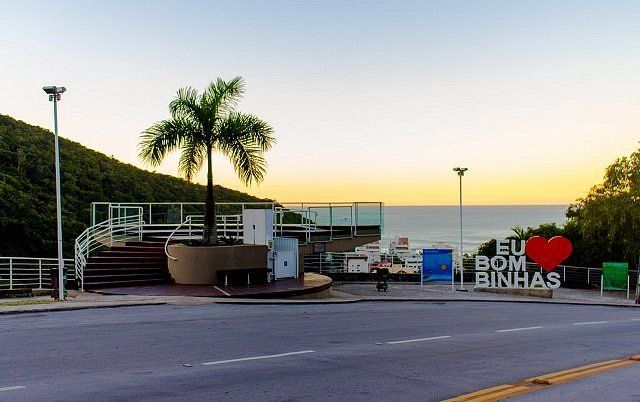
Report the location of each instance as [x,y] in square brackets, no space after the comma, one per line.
[570,276]
[31,273]
[325,262]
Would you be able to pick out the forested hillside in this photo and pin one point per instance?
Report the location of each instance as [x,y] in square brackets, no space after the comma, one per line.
[27,188]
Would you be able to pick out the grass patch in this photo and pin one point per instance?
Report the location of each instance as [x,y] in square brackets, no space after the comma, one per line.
[24,302]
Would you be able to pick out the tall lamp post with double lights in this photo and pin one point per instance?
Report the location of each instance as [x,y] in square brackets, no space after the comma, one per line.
[460,171]
[55,94]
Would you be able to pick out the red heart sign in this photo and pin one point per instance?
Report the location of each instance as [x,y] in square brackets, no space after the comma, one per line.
[548,254]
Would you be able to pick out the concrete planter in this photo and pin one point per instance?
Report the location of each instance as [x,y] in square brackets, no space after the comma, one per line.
[200,265]
[544,293]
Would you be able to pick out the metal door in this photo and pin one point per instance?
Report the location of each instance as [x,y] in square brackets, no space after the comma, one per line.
[285,252]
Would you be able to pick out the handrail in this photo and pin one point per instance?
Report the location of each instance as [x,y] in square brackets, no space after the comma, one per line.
[166,243]
[116,228]
[189,220]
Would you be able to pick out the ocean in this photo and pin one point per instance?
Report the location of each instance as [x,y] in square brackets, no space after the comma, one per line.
[426,226]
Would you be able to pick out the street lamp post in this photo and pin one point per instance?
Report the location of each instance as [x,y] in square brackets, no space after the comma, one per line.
[55,94]
[460,171]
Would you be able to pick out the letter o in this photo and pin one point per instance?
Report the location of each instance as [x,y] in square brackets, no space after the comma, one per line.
[499,263]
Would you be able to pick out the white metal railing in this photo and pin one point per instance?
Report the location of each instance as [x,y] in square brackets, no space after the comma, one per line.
[307,225]
[592,276]
[194,224]
[325,220]
[30,273]
[124,223]
[174,213]
[566,271]
[326,262]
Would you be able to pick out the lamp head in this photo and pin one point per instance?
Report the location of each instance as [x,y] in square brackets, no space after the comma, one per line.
[54,91]
[460,170]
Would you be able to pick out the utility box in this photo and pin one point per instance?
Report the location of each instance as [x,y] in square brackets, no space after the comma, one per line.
[257,227]
[285,257]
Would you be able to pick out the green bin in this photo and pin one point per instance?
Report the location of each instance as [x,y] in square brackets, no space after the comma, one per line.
[614,275]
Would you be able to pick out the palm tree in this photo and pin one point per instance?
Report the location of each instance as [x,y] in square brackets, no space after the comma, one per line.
[201,124]
[520,233]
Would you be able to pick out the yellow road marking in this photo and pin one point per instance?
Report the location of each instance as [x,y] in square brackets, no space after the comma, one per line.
[550,380]
[574,370]
[507,393]
[482,392]
[532,384]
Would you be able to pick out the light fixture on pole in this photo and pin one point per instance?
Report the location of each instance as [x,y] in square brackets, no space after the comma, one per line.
[460,171]
[55,94]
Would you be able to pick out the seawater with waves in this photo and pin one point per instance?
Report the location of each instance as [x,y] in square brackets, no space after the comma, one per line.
[426,226]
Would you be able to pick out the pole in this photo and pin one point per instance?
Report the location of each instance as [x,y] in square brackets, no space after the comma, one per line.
[628,281]
[460,253]
[453,278]
[58,202]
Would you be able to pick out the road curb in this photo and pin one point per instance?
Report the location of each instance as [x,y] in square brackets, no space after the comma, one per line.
[413,300]
[302,302]
[287,302]
[574,303]
[71,308]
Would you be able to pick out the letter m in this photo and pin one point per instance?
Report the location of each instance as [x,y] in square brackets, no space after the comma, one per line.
[517,263]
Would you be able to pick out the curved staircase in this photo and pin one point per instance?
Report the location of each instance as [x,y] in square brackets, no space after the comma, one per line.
[135,263]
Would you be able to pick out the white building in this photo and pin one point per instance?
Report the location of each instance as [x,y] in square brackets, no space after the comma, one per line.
[413,263]
[357,263]
[372,251]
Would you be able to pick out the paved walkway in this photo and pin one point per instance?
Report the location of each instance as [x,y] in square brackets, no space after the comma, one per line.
[444,292]
[340,293]
[309,283]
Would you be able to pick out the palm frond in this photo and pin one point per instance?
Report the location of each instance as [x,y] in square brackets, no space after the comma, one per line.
[249,129]
[247,161]
[164,137]
[221,97]
[186,105]
[191,158]
[245,156]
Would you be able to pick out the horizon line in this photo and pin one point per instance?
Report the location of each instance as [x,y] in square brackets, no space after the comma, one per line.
[477,205]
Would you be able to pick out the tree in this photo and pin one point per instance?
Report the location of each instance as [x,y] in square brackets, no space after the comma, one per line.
[201,124]
[602,226]
[608,218]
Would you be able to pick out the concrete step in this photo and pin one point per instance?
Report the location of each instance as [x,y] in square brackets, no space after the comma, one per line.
[131,253]
[128,261]
[158,258]
[116,284]
[146,243]
[92,278]
[116,269]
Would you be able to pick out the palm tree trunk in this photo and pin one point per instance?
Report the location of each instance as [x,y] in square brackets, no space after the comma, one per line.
[210,232]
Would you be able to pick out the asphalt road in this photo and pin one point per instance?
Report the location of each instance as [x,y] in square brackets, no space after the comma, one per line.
[364,351]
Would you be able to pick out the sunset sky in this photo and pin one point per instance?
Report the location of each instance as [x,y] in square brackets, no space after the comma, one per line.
[370,101]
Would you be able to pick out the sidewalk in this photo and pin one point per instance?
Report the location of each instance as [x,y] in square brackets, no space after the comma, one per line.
[411,291]
[340,293]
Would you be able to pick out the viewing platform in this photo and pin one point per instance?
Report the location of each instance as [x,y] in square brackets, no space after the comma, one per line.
[129,245]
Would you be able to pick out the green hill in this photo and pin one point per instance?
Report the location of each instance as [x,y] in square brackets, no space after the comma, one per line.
[27,188]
